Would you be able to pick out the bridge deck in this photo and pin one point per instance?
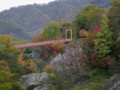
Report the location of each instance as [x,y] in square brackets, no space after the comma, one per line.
[42,43]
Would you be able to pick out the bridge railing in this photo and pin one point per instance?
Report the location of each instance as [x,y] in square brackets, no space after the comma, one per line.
[42,43]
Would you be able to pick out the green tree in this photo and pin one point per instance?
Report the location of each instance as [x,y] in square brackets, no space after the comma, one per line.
[117,48]
[114,17]
[102,3]
[89,16]
[8,83]
[9,53]
[28,51]
[7,49]
[52,32]
[104,39]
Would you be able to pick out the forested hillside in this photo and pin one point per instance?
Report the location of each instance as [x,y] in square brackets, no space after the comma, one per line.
[33,17]
[89,61]
[12,29]
[102,3]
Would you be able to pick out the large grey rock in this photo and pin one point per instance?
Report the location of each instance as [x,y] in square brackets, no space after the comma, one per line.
[69,64]
[70,54]
[37,81]
[69,60]
[113,83]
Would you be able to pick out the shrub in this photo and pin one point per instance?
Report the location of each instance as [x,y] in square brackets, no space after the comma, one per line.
[4,65]
[58,47]
[8,83]
[52,76]
[41,64]
[117,48]
[48,68]
[29,64]
[28,51]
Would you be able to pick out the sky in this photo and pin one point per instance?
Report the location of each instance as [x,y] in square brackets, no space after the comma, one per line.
[6,4]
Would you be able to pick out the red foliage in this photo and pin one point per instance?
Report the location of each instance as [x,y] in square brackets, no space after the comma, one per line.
[45,54]
[36,38]
[97,30]
[92,35]
[52,50]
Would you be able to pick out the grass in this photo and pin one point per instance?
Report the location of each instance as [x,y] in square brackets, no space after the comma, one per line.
[95,83]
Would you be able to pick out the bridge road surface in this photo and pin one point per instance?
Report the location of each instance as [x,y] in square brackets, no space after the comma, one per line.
[37,44]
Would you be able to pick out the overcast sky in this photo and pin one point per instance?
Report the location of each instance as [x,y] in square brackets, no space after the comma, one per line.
[6,4]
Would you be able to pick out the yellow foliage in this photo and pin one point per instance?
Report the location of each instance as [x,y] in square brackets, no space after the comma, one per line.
[4,65]
[28,64]
[48,68]
[58,46]
[51,75]
[6,43]
[8,83]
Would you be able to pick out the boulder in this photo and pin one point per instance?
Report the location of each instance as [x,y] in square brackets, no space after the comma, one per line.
[113,83]
[69,55]
[69,61]
[37,81]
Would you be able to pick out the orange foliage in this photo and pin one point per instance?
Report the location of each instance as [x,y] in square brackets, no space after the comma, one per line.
[57,47]
[4,65]
[83,33]
[48,68]
[91,37]
[28,64]
[36,38]
[52,50]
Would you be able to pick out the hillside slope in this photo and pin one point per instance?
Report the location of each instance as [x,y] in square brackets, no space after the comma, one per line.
[102,3]
[12,29]
[33,17]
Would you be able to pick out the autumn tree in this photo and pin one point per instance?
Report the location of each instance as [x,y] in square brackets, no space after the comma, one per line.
[36,38]
[28,64]
[8,83]
[7,49]
[8,53]
[9,66]
[89,16]
[6,43]
[114,17]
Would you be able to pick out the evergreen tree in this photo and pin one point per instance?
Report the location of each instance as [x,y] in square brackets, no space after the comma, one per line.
[104,39]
